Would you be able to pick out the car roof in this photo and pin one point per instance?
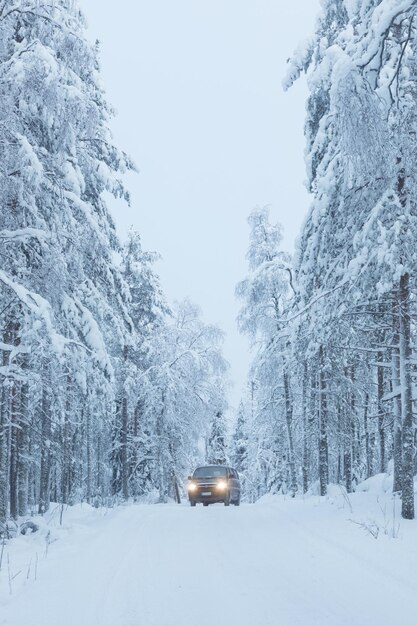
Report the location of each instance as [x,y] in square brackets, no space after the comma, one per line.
[212,465]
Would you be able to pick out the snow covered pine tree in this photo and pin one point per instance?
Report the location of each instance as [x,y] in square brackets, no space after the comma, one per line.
[57,275]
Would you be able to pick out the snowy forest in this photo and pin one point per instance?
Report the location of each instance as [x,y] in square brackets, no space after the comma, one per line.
[104,387]
[331,394]
[107,389]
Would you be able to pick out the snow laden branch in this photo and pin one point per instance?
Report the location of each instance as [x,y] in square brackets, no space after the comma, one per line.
[45,11]
[38,306]
[23,235]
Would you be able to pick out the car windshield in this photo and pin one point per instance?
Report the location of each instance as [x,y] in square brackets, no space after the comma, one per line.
[210,471]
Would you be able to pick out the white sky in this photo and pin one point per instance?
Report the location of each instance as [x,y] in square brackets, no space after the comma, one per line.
[201,110]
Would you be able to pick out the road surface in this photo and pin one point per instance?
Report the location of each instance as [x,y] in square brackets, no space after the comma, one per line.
[271,564]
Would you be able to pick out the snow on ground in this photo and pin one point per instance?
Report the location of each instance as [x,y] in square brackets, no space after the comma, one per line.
[335,561]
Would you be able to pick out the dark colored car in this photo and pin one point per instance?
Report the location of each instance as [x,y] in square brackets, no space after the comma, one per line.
[214,483]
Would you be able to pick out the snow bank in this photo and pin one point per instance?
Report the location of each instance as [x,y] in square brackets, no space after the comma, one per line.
[379,484]
[24,557]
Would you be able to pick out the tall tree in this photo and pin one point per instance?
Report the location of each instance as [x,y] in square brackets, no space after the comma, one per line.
[266,296]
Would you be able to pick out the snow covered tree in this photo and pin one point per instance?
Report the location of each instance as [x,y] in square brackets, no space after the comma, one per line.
[147,310]
[266,295]
[239,443]
[217,440]
[101,389]
[182,390]
[57,277]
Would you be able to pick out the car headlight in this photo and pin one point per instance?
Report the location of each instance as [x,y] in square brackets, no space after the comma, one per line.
[222,484]
[192,487]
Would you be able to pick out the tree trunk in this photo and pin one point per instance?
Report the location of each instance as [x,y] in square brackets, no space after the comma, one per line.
[125,464]
[161,454]
[306,460]
[4,448]
[348,438]
[23,457]
[381,417]
[356,432]
[89,452]
[46,432]
[124,439]
[313,424]
[368,447]
[66,446]
[134,455]
[3,457]
[289,415]
[14,453]
[115,455]
[340,444]
[406,400]
[176,490]
[347,465]
[323,418]
[5,430]
[99,485]
[396,385]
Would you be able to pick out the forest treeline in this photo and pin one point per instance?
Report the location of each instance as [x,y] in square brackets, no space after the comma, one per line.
[331,394]
[105,389]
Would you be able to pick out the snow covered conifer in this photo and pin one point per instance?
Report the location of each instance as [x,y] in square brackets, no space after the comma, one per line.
[239,445]
[216,441]
[57,275]
[266,300]
[147,311]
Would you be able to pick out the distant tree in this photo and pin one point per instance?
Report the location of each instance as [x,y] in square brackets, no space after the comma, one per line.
[266,298]
[239,443]
[217,441]
[239,449]
[182,387]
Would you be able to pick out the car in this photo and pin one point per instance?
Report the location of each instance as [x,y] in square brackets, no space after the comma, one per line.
[214,483]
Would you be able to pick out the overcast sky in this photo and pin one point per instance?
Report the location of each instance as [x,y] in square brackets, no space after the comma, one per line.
[197,88]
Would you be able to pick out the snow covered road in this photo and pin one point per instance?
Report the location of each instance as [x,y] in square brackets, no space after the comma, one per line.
[277,563]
